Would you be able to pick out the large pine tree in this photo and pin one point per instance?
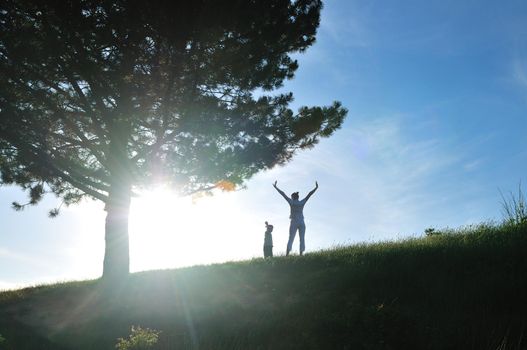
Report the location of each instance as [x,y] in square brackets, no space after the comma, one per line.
[101,97]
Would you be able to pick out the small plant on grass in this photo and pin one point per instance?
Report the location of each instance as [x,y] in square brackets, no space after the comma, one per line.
[514,208]
[139,339]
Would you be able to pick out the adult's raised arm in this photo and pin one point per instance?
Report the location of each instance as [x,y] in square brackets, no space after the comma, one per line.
[281,192]
[311,193]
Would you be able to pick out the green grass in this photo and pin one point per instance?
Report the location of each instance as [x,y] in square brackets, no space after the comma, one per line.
[461,289]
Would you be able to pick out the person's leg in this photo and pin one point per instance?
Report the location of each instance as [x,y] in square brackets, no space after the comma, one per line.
[266,251]
[292,232]
[302,234]
[269,251]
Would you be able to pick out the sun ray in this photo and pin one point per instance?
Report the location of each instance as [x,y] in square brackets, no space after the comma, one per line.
[168,231]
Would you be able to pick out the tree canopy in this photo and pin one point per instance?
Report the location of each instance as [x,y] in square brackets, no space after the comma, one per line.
[98,98]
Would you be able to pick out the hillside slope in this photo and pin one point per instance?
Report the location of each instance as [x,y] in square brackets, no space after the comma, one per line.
[457,290]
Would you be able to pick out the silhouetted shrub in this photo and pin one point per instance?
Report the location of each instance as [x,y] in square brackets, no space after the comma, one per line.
[139,339]
[432,232]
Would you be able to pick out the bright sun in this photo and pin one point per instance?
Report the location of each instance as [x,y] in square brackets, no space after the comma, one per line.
[170,231]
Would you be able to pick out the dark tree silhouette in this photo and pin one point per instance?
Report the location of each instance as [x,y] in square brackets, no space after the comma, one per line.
[98,98]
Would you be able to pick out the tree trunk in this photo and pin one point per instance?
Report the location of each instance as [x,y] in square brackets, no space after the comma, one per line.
[116,254]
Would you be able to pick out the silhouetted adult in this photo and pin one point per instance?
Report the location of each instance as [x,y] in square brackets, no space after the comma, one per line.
[296,216]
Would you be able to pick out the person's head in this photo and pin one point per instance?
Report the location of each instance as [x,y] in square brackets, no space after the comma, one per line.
[294,195]
[269,228]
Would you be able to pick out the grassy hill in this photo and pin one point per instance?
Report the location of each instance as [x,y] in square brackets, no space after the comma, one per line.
[462,289]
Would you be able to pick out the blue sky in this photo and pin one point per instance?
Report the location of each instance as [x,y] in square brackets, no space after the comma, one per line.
[437,99]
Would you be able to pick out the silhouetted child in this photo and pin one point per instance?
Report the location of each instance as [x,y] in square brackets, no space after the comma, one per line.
[268,241]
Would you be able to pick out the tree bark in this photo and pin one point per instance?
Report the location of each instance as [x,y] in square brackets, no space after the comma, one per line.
[116,254]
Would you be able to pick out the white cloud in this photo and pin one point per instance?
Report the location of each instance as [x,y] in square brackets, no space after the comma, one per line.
[349,29]
[22,258]
[473,165]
